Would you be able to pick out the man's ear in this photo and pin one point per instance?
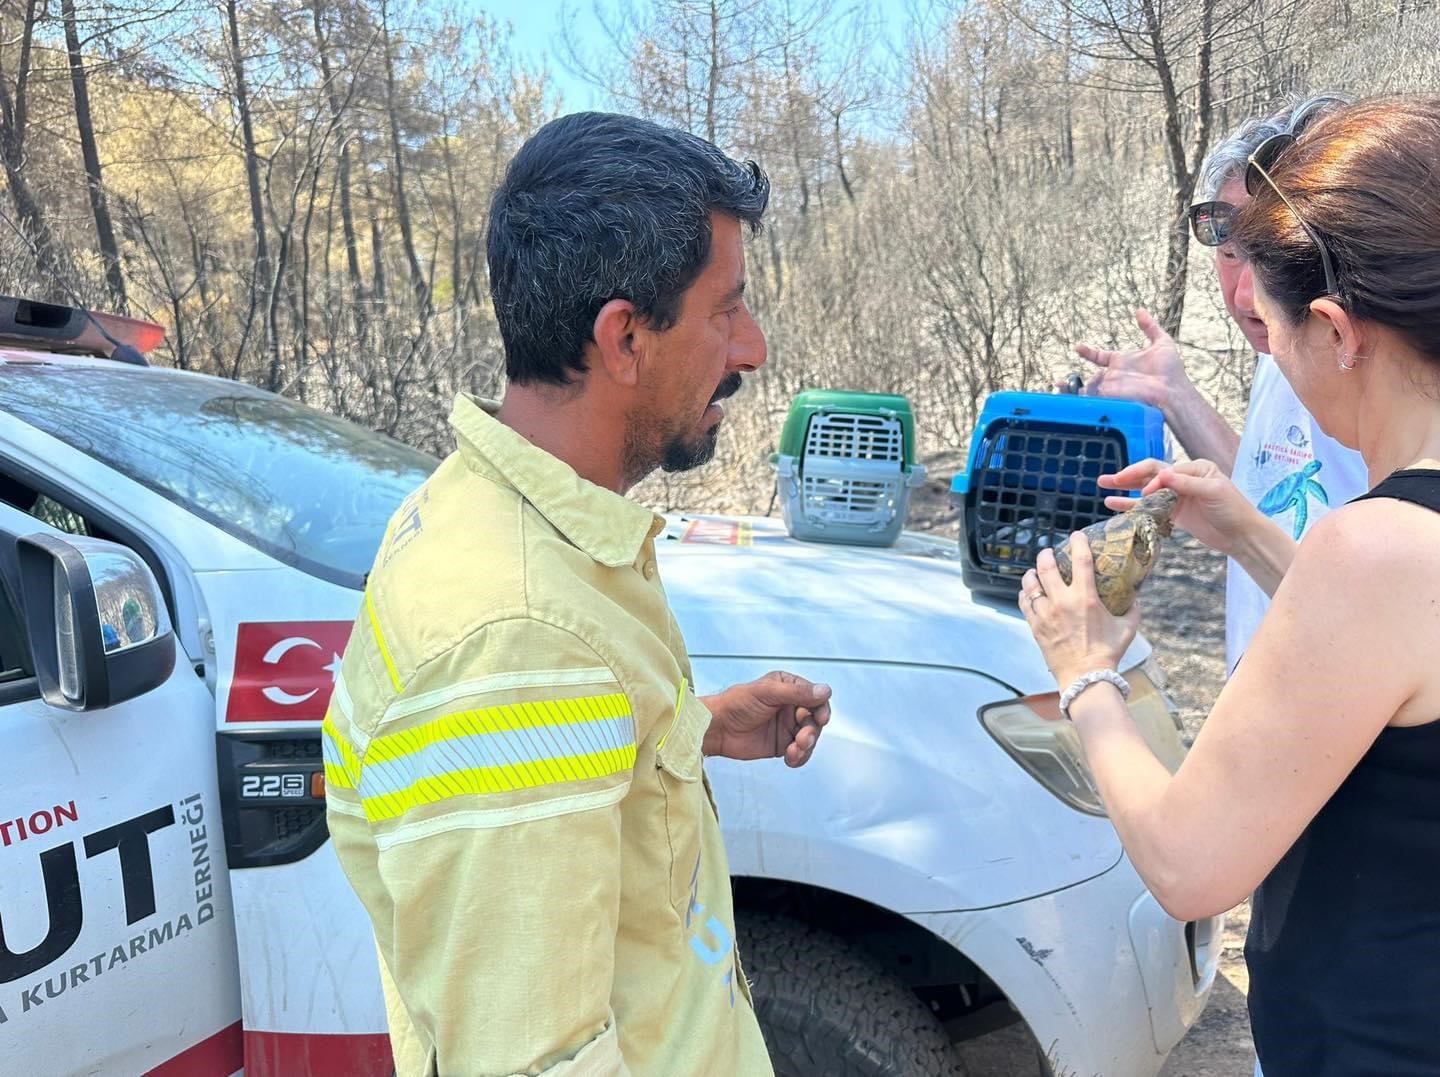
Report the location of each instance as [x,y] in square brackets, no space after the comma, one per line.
[617,342]
[1342,330]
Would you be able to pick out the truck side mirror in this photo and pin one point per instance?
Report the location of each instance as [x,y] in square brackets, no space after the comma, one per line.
[97,624]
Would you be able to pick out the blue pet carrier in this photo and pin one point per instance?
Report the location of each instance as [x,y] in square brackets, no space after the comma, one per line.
[1030,478]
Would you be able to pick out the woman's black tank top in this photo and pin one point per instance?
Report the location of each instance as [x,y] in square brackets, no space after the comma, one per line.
[1344,941]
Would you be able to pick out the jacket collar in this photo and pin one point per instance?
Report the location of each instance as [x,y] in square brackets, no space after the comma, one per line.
[609,527]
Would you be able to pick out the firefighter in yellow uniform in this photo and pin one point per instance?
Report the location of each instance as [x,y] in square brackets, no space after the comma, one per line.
[513,749]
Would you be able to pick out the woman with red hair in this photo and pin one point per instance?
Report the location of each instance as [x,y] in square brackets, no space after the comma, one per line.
[1315,782]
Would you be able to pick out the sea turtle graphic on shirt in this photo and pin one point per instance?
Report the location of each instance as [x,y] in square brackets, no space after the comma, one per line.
[1294,492]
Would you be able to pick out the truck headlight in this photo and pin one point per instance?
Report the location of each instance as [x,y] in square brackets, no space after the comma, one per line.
[1031,730]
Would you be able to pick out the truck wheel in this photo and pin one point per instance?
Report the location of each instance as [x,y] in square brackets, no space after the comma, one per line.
[829,1010]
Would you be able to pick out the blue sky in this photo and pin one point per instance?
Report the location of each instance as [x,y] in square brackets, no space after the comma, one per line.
[537,33]
[537,25]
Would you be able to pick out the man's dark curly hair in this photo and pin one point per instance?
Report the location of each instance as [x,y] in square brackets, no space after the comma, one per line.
[596,207]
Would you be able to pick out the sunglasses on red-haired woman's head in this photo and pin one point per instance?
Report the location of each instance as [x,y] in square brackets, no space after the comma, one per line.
[1257,172]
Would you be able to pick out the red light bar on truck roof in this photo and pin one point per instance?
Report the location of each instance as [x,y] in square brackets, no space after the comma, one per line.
[52,327]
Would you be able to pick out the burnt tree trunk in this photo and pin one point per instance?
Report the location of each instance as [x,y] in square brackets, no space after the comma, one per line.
[94,180]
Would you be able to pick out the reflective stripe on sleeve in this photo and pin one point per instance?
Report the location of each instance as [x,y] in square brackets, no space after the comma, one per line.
[342,768]
[500,749]
[405,706]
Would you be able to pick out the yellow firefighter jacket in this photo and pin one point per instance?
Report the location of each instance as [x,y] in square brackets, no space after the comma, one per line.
[514,785]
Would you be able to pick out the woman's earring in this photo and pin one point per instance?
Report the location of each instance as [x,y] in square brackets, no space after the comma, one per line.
[1348,361]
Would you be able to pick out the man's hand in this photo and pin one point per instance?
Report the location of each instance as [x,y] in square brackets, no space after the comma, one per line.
[1154,374]
[780,715]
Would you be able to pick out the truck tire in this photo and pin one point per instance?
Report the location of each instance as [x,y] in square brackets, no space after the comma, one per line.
[829,1010]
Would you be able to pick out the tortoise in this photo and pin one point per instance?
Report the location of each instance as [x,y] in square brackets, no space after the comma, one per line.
[1126,547]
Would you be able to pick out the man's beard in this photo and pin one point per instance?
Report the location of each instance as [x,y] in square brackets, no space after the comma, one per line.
[682,454]
[678,451]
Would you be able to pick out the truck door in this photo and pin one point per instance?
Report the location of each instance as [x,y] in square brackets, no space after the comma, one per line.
[117,938]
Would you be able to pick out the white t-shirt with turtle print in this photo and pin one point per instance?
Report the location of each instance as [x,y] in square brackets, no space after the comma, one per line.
[1294,473]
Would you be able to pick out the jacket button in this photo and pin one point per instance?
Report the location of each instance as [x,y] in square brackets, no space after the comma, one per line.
[649,570]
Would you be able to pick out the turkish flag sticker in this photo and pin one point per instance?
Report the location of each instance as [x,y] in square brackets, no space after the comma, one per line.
[285,670]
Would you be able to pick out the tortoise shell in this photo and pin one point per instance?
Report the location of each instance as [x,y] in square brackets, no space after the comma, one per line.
[1126,547]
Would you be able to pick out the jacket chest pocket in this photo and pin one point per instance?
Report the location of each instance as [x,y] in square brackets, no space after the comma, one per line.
[680,773]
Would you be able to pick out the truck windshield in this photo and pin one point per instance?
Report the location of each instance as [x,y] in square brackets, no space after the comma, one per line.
[307,488]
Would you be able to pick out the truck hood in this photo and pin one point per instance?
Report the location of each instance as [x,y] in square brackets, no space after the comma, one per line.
[741,586]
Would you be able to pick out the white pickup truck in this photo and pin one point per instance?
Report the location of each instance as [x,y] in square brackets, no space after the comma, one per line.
[181,557]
